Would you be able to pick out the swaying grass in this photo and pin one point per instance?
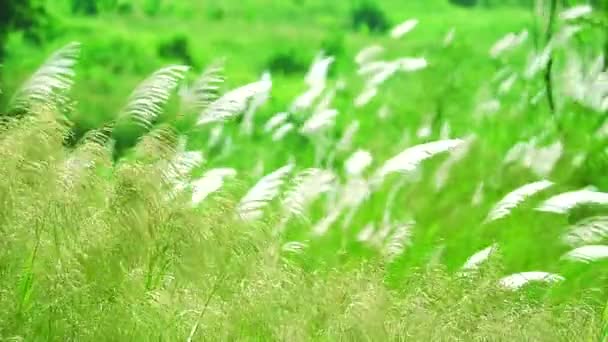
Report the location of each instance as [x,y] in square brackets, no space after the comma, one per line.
[339,215]
[96,252]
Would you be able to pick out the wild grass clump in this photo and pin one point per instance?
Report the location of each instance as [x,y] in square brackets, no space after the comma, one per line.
[93,249]
[188,214]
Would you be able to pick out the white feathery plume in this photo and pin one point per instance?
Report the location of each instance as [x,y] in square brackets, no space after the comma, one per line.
[368,54]
[373,68]
[182,163]
[478,194]
[48,85]
[408,64]
[186,161]
[294,247]
[306,99]
[403,28]
[508,42]
[256,102]
[325,101]
[542,160]
[410,158]
[365,97]
[251,206]
[586,85]
[587,254]
[562,203]
[204,90]
[358,162]
[317,75]
[475,260]
[147,100]
[398,240]
[353,193]
[507,84]
[458,154]
[425,130]
[384,112]
[316,79]
[346,140]
[518,280]
[319,121]
[575,12]
[449,37]
[282,131]
[579,159]
[445,131]
[515,198]
[538,61]
[258,169]
[275,121]
[586,232]
[215,136]
[320,228]
[308,185]
[209,183]
[366,233]
[233,102]
[382,75]
[488,107]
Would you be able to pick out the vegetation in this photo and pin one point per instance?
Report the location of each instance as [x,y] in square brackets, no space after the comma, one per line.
[305,170]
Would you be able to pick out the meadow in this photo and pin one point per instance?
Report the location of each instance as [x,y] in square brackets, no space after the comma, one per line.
[306,170]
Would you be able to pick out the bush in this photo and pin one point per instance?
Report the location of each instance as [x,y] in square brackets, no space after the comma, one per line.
[216,13]
[368,14]
[287,62]
[178,48]
[86,7]
[333,45]
[25,15]
[464,3]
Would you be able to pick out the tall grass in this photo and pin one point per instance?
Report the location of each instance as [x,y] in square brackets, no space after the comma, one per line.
[483,233]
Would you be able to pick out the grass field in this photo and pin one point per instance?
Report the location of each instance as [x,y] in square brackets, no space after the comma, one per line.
[457,203]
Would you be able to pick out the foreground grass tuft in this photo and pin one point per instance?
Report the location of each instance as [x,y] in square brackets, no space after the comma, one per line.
[93,250]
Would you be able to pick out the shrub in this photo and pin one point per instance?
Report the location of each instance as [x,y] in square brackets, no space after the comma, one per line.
[86,7]
[464,3]
[287,61]
[177,48]
[216,13]
[334,44]
[368,14]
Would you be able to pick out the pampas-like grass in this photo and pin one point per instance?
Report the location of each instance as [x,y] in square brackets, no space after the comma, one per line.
[368,54]
[233,102]
[518,280]
[49,85]
[209,183]
[147,100]
[562,203]
[307,186]
[575,12]
[475,260]
[403,28]
[587,254]
[410,158]
[515,198]
[251,206]
[591,230]
[507,43]
[204,90]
